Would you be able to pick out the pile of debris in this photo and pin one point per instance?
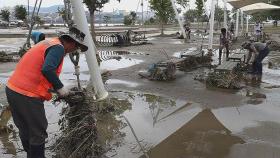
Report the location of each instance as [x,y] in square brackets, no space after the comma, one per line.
[126,38]
[223,80]
[273,46]
[4,57]
[230,80]
[193,62]
[162,71]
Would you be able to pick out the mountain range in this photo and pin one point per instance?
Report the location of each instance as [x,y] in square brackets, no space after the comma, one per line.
[50,9]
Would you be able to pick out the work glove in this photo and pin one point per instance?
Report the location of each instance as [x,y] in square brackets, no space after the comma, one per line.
[63,92]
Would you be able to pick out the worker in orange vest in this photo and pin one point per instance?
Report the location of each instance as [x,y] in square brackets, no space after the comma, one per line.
[29,86]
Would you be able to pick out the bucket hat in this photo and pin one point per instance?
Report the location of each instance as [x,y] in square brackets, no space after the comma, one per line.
[77,35]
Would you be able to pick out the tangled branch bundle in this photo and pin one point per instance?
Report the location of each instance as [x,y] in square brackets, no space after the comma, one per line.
[79,132]
[193,62]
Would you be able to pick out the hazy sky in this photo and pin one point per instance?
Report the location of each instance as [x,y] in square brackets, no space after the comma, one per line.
[113,4]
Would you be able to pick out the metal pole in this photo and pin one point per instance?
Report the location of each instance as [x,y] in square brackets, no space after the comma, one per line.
[237,23]
[178,18]
[242,21]
[142,12]
[32,23]
[212,18]
[247,24]
[28,17]
[82,24]
[225,14]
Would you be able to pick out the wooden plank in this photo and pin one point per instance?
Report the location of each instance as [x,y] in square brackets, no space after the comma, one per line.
[177,61]
[193,53]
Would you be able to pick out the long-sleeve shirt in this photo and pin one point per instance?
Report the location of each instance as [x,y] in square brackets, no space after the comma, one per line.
[53,58]
[225,38]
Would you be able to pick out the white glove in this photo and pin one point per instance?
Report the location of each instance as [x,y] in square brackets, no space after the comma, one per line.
[63,91]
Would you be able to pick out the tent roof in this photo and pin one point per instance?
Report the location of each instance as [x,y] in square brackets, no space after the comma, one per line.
[241,3]
[253,8]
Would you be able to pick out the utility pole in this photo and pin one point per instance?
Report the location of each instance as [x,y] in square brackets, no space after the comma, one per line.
[237,23]
[82,24]
[242,21]
[212,18]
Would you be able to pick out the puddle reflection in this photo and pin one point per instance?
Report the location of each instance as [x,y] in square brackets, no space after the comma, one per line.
[203,136]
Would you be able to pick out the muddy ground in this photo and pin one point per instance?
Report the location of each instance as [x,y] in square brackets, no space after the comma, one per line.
[173,119]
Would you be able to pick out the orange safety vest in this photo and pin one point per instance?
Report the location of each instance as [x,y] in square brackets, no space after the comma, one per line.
[27,78]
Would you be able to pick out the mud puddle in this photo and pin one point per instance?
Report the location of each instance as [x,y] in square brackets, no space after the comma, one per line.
[175,128]
[169,128]
[111,60]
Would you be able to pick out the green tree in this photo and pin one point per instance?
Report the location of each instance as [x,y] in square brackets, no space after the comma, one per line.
[127,20]
[133,16]
[61,12]
[5,14]
[20,12]
[151,21]
[93,6]
[106,19]
[130,19]
[190,15]
[219,15]
[199,8]
[39,21]
[163,11]
[183,3]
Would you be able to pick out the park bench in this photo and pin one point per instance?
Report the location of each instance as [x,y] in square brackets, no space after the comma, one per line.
[226,66]
[237,57]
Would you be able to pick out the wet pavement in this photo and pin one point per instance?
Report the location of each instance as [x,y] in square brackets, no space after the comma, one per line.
[175,127]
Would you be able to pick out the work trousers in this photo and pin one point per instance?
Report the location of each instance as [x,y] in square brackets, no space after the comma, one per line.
[257,64]
[29,117]
[221,52]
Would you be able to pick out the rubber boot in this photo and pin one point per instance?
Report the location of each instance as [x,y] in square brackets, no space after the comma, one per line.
[37,151]
[220,56]
[227,54]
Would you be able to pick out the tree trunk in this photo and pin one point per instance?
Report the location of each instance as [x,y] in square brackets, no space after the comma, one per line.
[197,23]
[92,26]
[162,28]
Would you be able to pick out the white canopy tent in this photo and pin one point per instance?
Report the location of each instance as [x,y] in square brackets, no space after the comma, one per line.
[250,7]
[241,3]
[245,6]
[257,7]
